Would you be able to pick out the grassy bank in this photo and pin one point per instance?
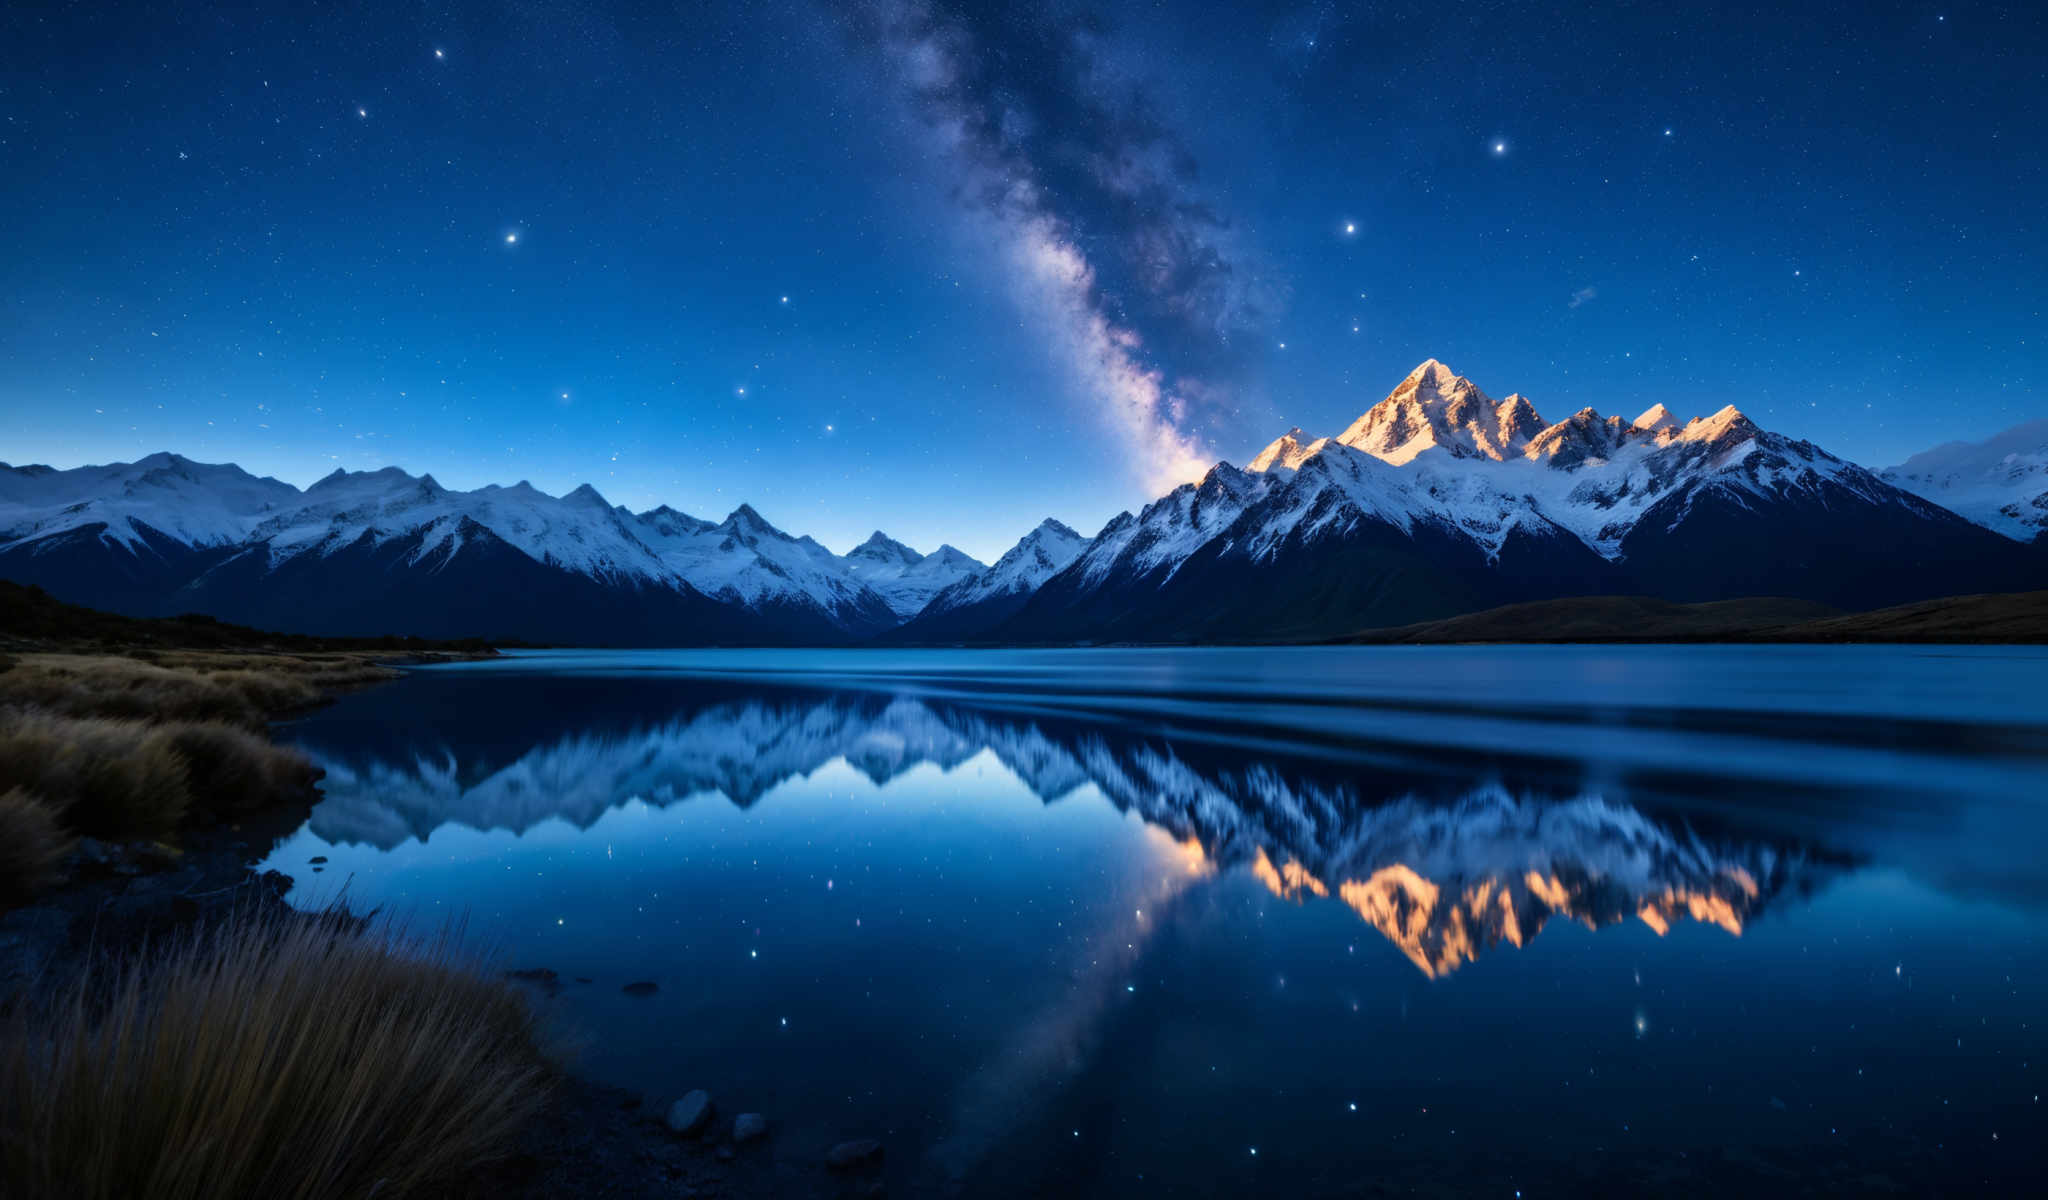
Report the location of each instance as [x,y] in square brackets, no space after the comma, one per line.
[169,1027]
[270,1055]
[123,749]
[133,730]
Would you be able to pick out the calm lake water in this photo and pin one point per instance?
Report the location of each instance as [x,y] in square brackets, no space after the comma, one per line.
[1499,921]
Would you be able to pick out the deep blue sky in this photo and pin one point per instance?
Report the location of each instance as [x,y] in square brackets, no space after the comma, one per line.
[278,235]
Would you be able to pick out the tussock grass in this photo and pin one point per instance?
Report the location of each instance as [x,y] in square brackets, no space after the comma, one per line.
[127,778]
[230,771]
[104,778]
[274,1056]
[127,689]
[32,842]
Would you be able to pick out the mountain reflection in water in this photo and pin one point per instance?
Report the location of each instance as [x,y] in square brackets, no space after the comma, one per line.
[1089,924]
[1443,878]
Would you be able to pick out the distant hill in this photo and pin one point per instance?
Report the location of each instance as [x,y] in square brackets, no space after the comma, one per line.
[2005,618]
[32,619]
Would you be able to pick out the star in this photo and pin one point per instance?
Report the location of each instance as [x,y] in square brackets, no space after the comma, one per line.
[511,239]
[183,155]
[362,112]
[785,299]
[1350,227]
[1667,133]
[438,54]
[1500,148]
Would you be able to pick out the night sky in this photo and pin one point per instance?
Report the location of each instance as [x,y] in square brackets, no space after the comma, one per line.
[946,271]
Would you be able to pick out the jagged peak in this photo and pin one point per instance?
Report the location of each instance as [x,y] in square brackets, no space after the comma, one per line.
[1284,451]
[1655,417]
[587,495]
[662,515]
[1225,477]
[1429,369]
[1730,420]
[882,548]
[745,519]
[1055,528]
[341,475]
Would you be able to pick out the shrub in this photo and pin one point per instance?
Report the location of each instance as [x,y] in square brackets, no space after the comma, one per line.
[272,1056]
[31,845]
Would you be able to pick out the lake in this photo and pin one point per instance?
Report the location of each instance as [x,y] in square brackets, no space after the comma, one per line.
[1503,921]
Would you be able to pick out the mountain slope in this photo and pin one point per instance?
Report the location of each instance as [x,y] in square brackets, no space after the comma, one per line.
[905,579]
[2000,483]
[982,601]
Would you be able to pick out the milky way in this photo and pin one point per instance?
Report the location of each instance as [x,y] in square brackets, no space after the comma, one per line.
[1093,201]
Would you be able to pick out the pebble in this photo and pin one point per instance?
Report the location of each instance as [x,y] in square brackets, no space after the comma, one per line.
[748,1126]
[690,1114]
[859,1153]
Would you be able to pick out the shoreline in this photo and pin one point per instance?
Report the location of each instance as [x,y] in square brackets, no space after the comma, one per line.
[118,899]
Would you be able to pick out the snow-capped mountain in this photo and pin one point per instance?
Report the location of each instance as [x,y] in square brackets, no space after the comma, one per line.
[1436,500]
[2001,482]
[198,504]
[383,551]
[1440,500]
[979,601]
[906,579]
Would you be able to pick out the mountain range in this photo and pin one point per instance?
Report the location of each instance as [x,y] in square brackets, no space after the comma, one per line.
[1437,500]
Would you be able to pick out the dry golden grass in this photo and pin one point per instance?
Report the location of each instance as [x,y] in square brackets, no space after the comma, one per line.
[105,778]
[125,778]
[31,844]
[274,1057]
[230,771]
[127,689]
[183,685]
[121,747]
